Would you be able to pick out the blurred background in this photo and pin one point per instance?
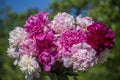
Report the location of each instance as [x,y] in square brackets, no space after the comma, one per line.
[14,13]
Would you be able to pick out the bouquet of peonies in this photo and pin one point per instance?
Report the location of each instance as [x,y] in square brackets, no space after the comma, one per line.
[59,47]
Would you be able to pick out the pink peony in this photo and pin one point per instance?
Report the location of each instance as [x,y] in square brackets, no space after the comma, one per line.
[62,22]
[83,56]
[36,23]
[29,46]
[100,37]
[70,37]
[47,60]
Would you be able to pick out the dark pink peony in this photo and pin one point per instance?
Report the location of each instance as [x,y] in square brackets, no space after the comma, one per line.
[70,37]
[47,60]
[100,37]
[36,23]
[46,41]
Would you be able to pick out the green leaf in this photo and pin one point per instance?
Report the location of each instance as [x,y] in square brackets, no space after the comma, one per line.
[72,74]
[75,78]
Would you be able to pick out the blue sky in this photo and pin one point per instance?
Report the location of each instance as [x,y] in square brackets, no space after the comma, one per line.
[21,5]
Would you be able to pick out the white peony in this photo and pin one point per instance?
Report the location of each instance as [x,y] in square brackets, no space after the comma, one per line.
[28,64]
[83,22]
[16,36]
[13,52]
[62,22]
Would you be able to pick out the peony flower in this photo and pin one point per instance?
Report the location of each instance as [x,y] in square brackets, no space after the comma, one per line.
[46,41]
[83,56]
[61,43]
[100,37]
[13,52]
[28,64]
[103,56]
[61,22]
[47,60]
[29,46]
[36,23]
[84,22]
[16,36]
[69,38]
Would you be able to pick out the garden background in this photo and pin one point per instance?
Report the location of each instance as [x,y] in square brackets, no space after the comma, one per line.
[14,13]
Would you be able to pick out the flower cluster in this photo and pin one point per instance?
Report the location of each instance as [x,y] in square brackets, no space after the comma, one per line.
[42,44]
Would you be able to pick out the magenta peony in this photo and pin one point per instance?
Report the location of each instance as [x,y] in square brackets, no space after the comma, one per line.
[46,41]
[100,37]
[36,23]
[47,60]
